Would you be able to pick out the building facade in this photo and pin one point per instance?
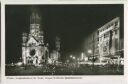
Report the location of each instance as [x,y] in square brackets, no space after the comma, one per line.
[34,50]
[105,44]
[109,37]
[92,46]
[55,54]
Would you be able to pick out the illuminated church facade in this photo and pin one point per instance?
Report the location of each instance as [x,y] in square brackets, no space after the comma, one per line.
[34,50]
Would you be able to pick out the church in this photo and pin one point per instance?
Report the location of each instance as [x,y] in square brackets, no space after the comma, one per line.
[34,50]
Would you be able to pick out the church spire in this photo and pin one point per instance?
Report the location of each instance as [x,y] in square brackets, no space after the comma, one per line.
[35,18]
[35,22]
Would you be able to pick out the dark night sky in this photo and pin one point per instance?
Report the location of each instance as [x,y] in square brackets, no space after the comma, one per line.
[72,23]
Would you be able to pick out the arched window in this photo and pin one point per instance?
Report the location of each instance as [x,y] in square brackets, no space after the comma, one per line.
[32,52]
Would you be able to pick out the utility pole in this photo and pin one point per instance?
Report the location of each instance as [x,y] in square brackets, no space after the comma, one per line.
[93,49]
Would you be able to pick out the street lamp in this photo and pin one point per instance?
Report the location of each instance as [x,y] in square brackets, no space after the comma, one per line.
[90,51]
[70,56]
[73,57]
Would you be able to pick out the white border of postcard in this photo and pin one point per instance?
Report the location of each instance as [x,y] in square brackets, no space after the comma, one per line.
[105,79]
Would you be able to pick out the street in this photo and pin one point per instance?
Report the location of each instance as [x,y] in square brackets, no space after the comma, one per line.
[64,70]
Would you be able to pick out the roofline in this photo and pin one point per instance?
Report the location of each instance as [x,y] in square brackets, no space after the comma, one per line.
[113,20]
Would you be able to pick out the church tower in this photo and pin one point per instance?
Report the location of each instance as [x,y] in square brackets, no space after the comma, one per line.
[33,48]
[57,48]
